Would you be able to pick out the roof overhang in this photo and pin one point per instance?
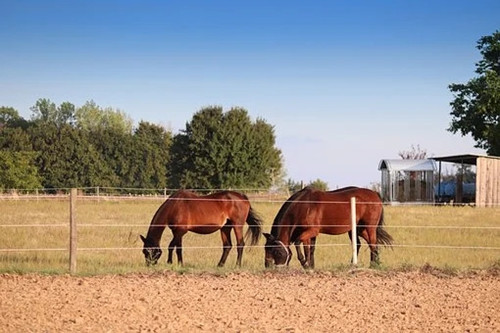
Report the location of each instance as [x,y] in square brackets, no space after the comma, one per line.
[462,159]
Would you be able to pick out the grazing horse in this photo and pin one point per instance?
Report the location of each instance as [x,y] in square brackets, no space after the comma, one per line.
[186,211]
[282,211]
[311,212]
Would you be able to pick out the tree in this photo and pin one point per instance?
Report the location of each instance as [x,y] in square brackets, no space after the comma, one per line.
[476,104]
[14,139]
[318,184]
[65,158]
[415,153]
[109,131]
[9,117]
[152,146]
[91,117]
[225,150]
[46,111]
[18,171]
[293,186]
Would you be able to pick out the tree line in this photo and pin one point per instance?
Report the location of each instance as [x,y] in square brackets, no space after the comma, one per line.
[64,146]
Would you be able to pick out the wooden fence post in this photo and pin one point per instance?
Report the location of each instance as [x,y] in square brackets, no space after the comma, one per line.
[72,231]
[354,232]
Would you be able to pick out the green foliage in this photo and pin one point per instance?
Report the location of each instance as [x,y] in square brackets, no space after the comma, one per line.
[476,104]
[319,185]
[17,170]
[14,139]
[294,186]
[92,118]
[45,111]
[152,150]
[65,159]
[92,146]
[225,150]
[9,117]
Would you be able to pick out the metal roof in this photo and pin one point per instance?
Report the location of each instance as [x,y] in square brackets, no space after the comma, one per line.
[407,165]
[463,159]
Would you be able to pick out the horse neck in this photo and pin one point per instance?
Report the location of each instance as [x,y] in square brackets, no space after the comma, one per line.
[158,225]
[155,232]
[282,231]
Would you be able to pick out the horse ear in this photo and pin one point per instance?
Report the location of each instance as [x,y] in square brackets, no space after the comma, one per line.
[269,237]
[143,239]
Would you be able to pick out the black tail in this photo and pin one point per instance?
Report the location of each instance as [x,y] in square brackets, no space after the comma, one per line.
[255,226]
[383,237]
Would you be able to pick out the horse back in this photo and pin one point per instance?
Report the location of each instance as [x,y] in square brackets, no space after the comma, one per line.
[330,212]
[369,207]
[185,208]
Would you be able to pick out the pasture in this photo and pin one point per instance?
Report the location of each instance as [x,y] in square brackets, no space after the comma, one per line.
[34,238]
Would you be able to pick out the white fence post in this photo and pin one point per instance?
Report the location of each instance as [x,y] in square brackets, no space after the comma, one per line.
[72,231]
[354,232]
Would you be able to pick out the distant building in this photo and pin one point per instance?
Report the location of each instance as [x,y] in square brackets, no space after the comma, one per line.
[487,186]
[407,180]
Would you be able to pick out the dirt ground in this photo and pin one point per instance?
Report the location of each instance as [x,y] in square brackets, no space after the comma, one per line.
[361,301]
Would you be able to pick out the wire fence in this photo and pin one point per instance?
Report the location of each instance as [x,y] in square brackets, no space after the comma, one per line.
[8,226]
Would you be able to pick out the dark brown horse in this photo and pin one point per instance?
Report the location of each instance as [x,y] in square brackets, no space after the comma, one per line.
[310,212]
[186,211]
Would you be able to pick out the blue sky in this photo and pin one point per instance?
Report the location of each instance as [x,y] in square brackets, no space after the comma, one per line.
[344,83]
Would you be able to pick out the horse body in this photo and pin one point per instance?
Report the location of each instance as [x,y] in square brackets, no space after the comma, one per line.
[312,212]
[185,212]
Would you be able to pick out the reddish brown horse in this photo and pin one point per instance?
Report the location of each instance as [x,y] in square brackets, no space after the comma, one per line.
[186,211]
[297,243]
[311,212]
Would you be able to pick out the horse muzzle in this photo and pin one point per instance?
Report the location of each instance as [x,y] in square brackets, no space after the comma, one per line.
[151,262]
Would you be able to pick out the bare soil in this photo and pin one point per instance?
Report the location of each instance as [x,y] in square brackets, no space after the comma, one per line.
[291,301]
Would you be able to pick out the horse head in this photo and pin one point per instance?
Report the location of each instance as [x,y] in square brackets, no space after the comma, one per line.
[152,252]
[277,253]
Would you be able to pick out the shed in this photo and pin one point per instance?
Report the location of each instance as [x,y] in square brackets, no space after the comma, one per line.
[407,180]
[487,177]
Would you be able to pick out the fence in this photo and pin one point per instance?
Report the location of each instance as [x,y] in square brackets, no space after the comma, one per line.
[74,198]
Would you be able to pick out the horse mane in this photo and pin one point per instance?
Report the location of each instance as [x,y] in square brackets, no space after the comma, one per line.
[285,206]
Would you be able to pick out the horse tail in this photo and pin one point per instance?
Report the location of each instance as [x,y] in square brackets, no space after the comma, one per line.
[383,237]
[254,222]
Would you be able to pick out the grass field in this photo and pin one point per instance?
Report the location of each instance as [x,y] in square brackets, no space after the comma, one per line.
[34,237]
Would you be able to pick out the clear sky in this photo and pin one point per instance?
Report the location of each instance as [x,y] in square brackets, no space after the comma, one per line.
[344,83]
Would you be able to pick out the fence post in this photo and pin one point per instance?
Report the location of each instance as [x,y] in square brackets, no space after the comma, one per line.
[354,232]
[72,231]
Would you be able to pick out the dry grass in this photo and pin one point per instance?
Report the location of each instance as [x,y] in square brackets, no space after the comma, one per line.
[451,238]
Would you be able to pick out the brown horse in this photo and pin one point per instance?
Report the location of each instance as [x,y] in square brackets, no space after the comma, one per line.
[297,243]
[186,211]
[311,212]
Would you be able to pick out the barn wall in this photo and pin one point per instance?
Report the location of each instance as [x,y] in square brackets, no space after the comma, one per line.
[487,182]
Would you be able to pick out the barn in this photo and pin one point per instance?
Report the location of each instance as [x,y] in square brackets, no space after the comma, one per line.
[407,180]
[487,185]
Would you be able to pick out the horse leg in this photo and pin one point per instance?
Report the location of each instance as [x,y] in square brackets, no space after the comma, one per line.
[177,244]
[225,234]
[307,253]
[313,248]
[358,243]
[300,256]
[306,239]
[370,236]
[240,243]
[171,247]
